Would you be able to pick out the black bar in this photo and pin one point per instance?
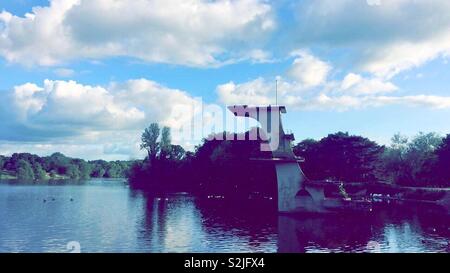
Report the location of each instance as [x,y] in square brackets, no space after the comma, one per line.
[225,262]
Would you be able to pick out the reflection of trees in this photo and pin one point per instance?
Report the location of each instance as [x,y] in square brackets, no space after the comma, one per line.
[172,223]
[404,227]
[430,220]
[253,220]
[185,224]
[329,233]
[153,223]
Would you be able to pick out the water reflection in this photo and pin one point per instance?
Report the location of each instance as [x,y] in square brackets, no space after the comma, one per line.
[387,229]
[109,217]
[171,224]
[181,223]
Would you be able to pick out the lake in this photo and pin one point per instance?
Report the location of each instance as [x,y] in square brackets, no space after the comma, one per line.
[106,216]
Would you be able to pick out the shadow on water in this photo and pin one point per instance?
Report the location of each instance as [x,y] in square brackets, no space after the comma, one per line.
[255,221]
[182,223]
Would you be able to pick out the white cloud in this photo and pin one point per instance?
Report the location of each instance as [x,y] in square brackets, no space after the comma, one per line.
[308,70]
[396,57]
[185,32]
[357,85]
[323,101]
[158,102]
[352,92]
[253,92]
[384,37]
[60,113]
[306,73]
[68,105]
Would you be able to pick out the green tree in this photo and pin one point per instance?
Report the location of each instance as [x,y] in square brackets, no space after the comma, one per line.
[98,171]
[84,168]
[395,167]
[98,168]
[150,141]
[58,162]
[340,156]
[113,171]
[421,157]
[24,170]
[412,162]
[39,172]
[225,167]
[165,143]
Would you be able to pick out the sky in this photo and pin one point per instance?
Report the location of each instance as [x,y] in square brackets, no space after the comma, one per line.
[86,77]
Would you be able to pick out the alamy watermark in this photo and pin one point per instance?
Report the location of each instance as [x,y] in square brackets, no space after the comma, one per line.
[373,246]
[73,247]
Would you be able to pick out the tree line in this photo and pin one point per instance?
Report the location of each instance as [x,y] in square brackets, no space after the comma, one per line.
[423,160]
[27,166]
[227,167]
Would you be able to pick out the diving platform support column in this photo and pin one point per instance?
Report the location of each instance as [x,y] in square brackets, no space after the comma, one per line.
[290,178]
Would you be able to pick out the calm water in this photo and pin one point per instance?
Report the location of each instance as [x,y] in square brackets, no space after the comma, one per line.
[106,216]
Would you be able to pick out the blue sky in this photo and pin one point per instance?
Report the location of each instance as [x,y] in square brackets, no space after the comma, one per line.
[85,77]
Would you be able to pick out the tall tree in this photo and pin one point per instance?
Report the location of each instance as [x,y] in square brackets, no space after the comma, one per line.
[149,141]
[165,143]
[395,167]
[411,162]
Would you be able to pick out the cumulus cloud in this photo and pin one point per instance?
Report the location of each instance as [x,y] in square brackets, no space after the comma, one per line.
[68,105]
[71,113]
[185,32]
[308,70]
[385,37]
[351,92]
